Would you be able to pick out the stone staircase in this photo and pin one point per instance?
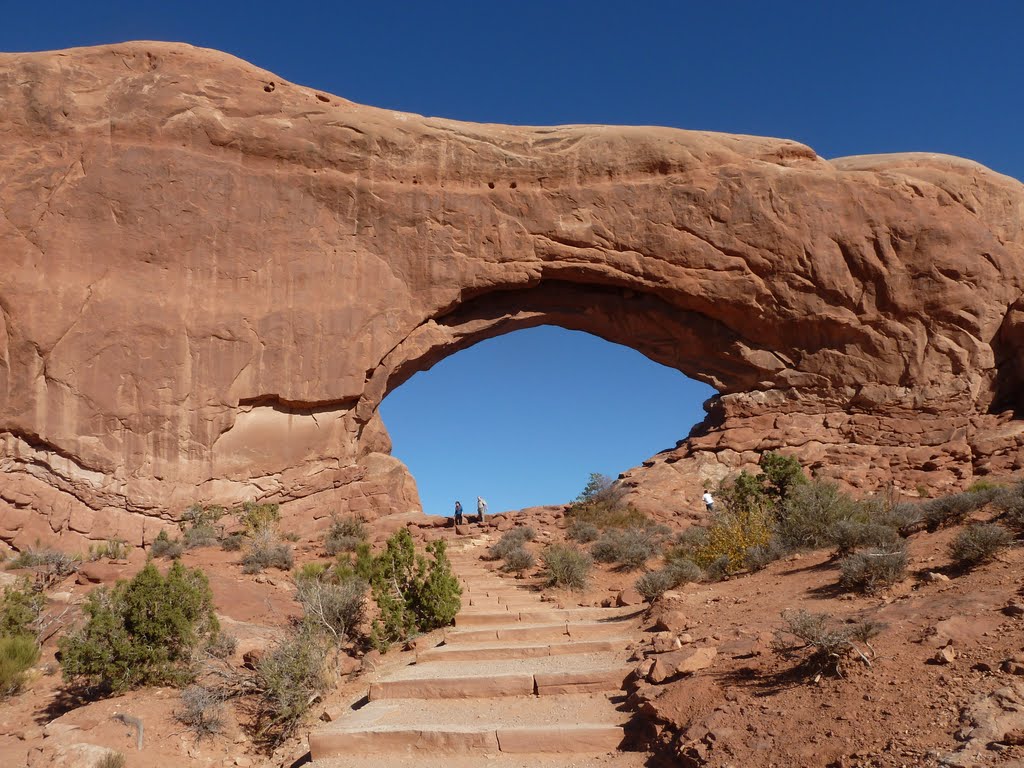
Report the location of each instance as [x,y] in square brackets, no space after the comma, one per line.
[517,682]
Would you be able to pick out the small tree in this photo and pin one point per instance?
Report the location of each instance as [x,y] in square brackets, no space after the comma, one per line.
[141,632]
[780,475]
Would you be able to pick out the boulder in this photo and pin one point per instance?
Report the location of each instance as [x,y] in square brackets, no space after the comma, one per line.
[627,597]
[683,662]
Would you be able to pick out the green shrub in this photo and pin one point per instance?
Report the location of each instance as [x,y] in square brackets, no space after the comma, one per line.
[518,560]
[257,517]
[344,535]
[164,546]
[850,535]
[984,486]
[311,572]
[582,532]
[821,642]
[731,535]
[630,548]
[112,549]
[760,556]
[141,632]
[199,516]
[953,509]
[286,681]
[810,513]
[202,711]
[780,475]
[222,645]
[600,504]
[266,550]
[686,544]
[682,571]
[1010,502]
[980,543]
[20,609]
[18,654]
[199,536]
[654,584]
[511,540]
[336,610]
[873,569]
[566,566]
[414,593]
[904,518]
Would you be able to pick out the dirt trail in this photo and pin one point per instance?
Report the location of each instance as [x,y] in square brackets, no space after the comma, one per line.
[518,681]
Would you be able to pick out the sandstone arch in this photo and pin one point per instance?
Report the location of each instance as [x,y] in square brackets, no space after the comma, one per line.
[212,277]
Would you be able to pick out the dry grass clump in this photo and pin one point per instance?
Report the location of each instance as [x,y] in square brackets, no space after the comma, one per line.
[566,566]
[823,645]
[873,569]
[202,711]
[267,550]
[629,548]
[978,544]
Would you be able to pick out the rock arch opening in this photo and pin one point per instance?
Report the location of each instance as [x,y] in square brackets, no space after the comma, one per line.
[522,418]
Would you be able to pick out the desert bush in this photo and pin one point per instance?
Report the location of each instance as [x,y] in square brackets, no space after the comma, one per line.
[414,593]
[979,543]
[198,536]
[344,535]
[682,571]
[257,517]
[582,532]
[600,504]
[112,549]
[953,509]
[686,544]
[984,486]
[654,584]
[311,572]
[760,556]
[518,560]
[233,542]
[630,548]
[266,550]
[18,654]
[850,535]
[222,645]
[511,540]
[141,632]
[874,568]
[166,547]
[199,516]
[21,608]
[286,681]
[810,512]
[51,565]
[566,566]
[334,609]
[202,711]
[904,517]
[1010,502]
[821,643]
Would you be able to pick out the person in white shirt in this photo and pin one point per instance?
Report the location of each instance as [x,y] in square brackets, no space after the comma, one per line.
[481,508]
[709,501]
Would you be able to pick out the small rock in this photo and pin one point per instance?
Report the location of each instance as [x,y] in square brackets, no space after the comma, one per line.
[629,596]
[371,661]
[348,666]
[945,655]
[672,621]
[251,658]
[685,638]
[243,762]
[61,597]
[934,576]
[665,642]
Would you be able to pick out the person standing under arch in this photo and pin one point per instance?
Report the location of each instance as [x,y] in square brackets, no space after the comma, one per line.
[458,513]
[481,508]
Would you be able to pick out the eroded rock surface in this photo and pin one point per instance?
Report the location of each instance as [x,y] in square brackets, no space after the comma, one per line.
[212,277]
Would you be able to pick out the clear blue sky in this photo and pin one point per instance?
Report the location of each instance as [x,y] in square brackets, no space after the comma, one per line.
[522,419]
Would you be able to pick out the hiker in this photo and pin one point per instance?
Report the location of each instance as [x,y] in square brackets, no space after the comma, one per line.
[458,513]
[481,508]
[709,501]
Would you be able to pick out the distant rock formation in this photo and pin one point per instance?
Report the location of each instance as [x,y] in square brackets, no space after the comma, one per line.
[212,277]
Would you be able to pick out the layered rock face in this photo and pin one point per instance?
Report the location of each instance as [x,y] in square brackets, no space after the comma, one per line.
[211,278]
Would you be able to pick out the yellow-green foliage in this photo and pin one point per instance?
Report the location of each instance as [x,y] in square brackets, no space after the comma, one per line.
[17,655]
[731,534]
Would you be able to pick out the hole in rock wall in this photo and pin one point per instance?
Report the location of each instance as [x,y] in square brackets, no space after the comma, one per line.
[523,419]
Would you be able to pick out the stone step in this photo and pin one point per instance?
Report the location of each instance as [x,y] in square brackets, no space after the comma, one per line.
[499,760]
[478,618]
[548,683]
[439,740]
[540,632]
[472,652]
